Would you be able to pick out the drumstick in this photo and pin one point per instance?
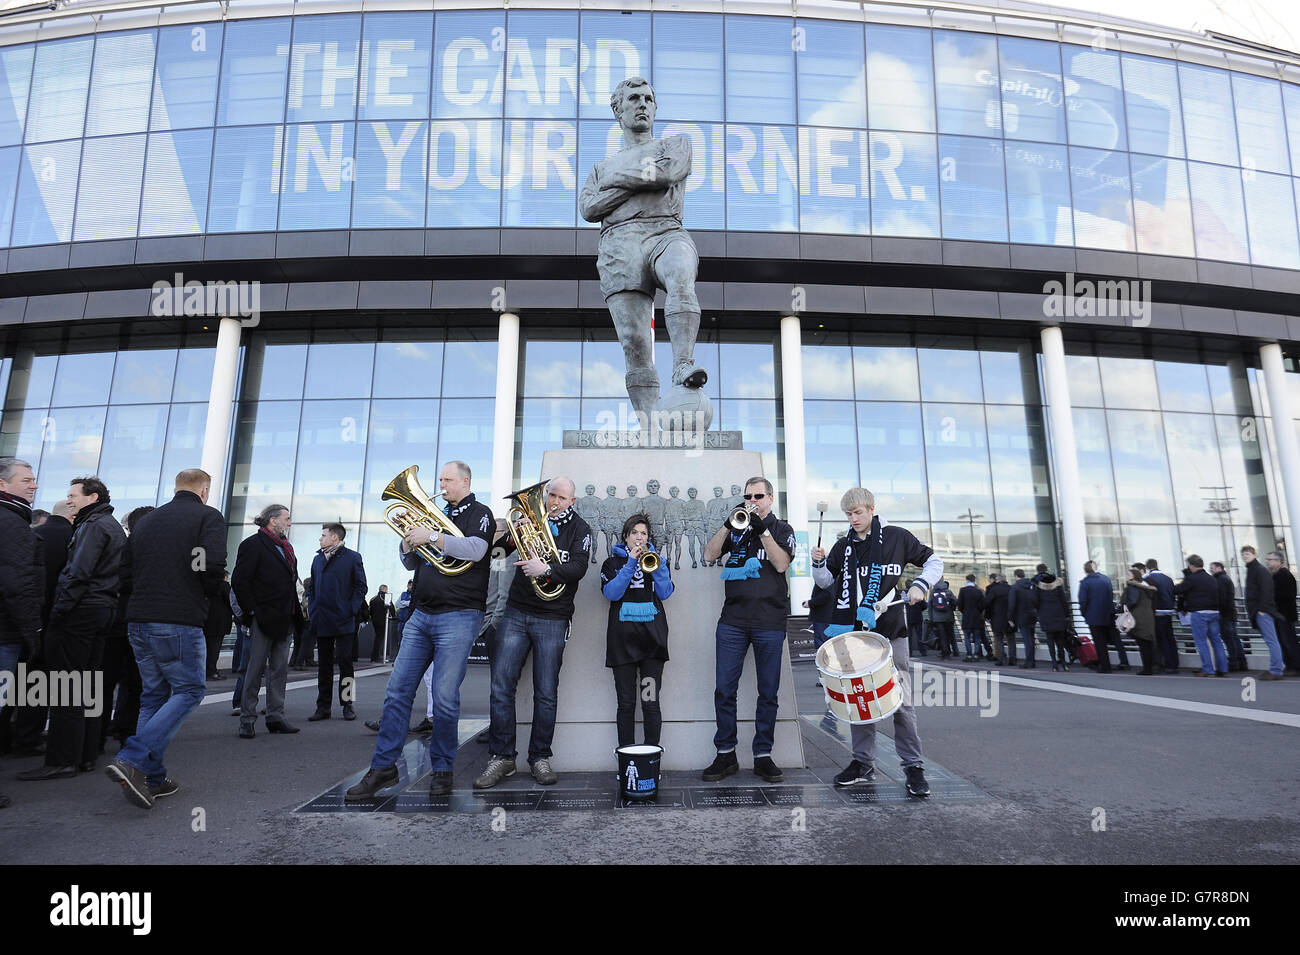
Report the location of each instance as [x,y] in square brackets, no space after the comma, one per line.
[880,605]
[821,516]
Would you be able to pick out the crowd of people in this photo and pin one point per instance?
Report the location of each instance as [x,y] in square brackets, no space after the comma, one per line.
[996,619]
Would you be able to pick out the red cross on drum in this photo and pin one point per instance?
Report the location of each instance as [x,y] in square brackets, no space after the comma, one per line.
[859,677]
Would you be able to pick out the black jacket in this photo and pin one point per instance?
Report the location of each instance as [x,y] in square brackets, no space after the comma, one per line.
[996,600]
[1022,608]
[1200,591]
[220,616]
[821,604]
[380,611]
[265,584]
[1284,594]
[177,558]
[336,592]
[1052,605]
[1227,596]
[1259,591]
[22,580]
[53,537]
[970,601]
[90,577]
[573,541]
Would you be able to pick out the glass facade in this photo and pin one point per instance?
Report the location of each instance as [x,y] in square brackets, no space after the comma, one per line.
[493,118]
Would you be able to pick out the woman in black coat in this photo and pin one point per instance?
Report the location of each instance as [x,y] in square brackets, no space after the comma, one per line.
[1054,617]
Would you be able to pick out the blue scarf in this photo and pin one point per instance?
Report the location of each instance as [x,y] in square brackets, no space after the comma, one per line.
[740,566]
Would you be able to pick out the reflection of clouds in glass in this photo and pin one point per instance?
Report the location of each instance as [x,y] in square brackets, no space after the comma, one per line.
[885,373]
[551,378]
[908,224]
[602,378]
[828,373]
[412,350]
[899,92]
[845,109]
[760,385]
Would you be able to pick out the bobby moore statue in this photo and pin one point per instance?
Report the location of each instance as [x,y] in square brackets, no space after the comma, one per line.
[637,195]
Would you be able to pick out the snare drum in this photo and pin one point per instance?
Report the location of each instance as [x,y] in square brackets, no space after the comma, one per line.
[859,677]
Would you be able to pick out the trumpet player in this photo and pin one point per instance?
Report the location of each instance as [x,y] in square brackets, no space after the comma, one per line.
[636,582]
[532,623]
[446,615]
[759,548]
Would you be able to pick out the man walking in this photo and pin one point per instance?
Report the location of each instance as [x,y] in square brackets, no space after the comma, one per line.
[865,568]
[531,624]
[756,605]
[1097,604]
[85,600]
[21,569]
[175,566]
[334,600]
[1228,618]
[446,616]
[265,584]
[1261,610]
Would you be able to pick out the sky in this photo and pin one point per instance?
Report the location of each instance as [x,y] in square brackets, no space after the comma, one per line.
[1273,22]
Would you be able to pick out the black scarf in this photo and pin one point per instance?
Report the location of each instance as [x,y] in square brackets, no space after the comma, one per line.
[460,507]
[19,505]
[874,549]
[560,519]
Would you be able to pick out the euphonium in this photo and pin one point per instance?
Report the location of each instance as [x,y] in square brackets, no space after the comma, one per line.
[739,519]
[531,532]
[649,562]
[418,510]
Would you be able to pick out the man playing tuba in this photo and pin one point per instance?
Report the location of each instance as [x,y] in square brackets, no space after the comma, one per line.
[538,611]
[446,615]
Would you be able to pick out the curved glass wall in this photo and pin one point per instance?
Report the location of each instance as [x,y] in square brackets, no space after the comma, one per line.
[491,118]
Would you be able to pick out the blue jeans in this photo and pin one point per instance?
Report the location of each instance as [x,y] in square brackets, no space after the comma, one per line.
[732,644]
[1027,637]
[819,634]
[973,646]
[173,674]
[1205,631]
[239,663]
[1268,630]
[441,639]
[517,634]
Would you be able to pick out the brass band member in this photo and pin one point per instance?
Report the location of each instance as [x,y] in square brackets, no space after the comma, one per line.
[636,581]
[447,613]
[532,624]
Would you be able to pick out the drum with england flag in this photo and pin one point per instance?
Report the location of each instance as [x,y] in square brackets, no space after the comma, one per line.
[859,678]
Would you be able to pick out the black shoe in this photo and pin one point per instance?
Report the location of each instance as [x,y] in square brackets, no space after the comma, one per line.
[280,726]
[1123,666]
[318,715]
[767,770]
[424,726]
[246,730]
[87,767]
[725,765]
[373,781]
[134,785]
[916,784]
[440,784]
[168,787]
[372,725]
[855,774]
[348,712]
[48,772]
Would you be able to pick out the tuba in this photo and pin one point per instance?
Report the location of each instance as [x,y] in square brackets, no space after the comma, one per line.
[532,534]
[416,509]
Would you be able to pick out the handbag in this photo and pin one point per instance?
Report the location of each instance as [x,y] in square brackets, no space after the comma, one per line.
[1124,621]
[1087,651]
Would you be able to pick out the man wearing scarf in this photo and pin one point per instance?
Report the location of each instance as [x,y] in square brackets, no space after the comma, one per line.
[265,584]
[21,568]
[753,613]
[85,601]
[530,624]
[865,568]
[335,596]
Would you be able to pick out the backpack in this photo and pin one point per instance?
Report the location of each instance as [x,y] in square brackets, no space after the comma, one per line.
[941,601]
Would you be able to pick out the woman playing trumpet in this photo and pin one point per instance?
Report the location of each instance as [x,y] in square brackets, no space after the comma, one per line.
[636,582]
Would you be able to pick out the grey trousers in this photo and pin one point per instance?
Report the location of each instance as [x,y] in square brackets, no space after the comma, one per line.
[271,657]
[906,739]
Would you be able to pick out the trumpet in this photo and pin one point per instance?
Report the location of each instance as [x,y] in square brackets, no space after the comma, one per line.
[416,509]
[739,519]
[532,535]
[649,562]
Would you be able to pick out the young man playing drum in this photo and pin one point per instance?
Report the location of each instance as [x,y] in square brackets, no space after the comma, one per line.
[864,570]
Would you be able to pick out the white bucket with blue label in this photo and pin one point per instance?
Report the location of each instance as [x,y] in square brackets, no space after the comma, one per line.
[638,770]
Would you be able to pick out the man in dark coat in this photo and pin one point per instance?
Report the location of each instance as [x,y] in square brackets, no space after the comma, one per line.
[85,600]
[265,584]
[1022,610]
[1200,594]
[217,625]
[334,599]
[1166,646]
[21,567]
[1228,617]
[381,616]
[970,601]
[175,566]
[996,599]
[1261,611]
[942,611]
[1097,604]
[1284,595]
